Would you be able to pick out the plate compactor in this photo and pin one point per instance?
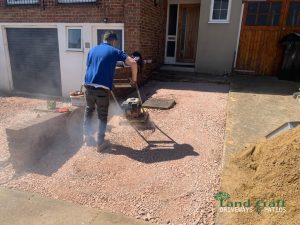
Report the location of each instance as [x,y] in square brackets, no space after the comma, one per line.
[138,118]
[134,113]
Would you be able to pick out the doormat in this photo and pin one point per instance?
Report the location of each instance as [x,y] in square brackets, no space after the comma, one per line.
[155,103]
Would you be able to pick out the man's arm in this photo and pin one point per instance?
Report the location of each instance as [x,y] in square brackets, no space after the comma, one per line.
[132,63]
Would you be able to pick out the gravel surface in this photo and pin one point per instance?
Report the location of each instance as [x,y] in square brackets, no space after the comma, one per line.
[170,183]
[12,110]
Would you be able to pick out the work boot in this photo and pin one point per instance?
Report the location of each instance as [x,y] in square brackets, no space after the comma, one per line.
[102,144]
[88,140]
[102,147]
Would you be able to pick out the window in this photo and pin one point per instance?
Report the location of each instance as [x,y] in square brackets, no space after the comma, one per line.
[118,32]
[76,1]
[74,39]
[172,19]
[22,2]
[220,11]
[263,13]
[294,14]
[171,49]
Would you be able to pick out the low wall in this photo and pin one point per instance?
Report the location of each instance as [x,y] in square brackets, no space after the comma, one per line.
[28,141]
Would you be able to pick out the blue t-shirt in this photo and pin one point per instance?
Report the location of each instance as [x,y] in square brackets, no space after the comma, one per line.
[101,64]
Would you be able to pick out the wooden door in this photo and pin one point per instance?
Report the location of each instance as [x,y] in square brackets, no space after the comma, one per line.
[263,26]
[187,37]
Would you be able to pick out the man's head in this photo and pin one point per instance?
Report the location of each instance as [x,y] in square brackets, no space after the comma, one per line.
[110,38]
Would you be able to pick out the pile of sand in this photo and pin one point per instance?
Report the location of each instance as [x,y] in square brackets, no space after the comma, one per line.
[268,170]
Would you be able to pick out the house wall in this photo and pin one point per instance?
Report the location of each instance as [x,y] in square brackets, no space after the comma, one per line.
[72,64]
[217,42]
[152,36]
[68,13]
[135,17]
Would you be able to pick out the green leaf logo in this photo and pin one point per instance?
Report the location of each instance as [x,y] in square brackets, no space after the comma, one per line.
[221,196]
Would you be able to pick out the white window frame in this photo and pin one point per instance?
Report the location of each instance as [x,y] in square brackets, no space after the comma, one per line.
[227,20]
[23,2]
[108,26]
[169,59]
[75,1]
[67,40]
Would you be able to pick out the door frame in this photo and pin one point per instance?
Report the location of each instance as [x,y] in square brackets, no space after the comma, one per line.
[238,36]
[172,60]
[7,59]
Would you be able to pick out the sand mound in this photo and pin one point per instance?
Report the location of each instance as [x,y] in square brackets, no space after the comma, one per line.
[268,170]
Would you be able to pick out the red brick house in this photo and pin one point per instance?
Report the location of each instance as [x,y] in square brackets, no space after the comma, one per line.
[46,42]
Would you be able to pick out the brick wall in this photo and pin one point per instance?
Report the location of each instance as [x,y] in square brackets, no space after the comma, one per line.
[153,29]
[143,21]
[73,13]
[152,37]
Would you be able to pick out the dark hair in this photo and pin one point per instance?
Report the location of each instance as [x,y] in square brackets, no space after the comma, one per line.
[109,36]
[140,61]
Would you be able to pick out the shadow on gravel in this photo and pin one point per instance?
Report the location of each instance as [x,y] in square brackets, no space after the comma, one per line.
[154,154]
[60,151]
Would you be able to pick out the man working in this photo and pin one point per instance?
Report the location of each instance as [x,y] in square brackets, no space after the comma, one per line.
[101,63]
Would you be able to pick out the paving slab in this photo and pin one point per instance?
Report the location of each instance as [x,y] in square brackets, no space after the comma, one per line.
[18,208]
[156,103]
[182,76]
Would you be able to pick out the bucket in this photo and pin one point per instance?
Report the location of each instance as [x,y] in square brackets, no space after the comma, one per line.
[78,100]
[51,104]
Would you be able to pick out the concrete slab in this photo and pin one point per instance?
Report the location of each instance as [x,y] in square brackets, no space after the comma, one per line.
[256,107]
[190,69]
[18,208]
[185,76]
[156,103]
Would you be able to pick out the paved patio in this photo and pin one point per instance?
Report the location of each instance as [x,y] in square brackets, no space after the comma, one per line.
[257,106]
[19,208]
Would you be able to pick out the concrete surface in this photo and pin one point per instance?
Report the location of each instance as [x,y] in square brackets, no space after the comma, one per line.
[18,208]
[190,69]
[178,76]
[256,107]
